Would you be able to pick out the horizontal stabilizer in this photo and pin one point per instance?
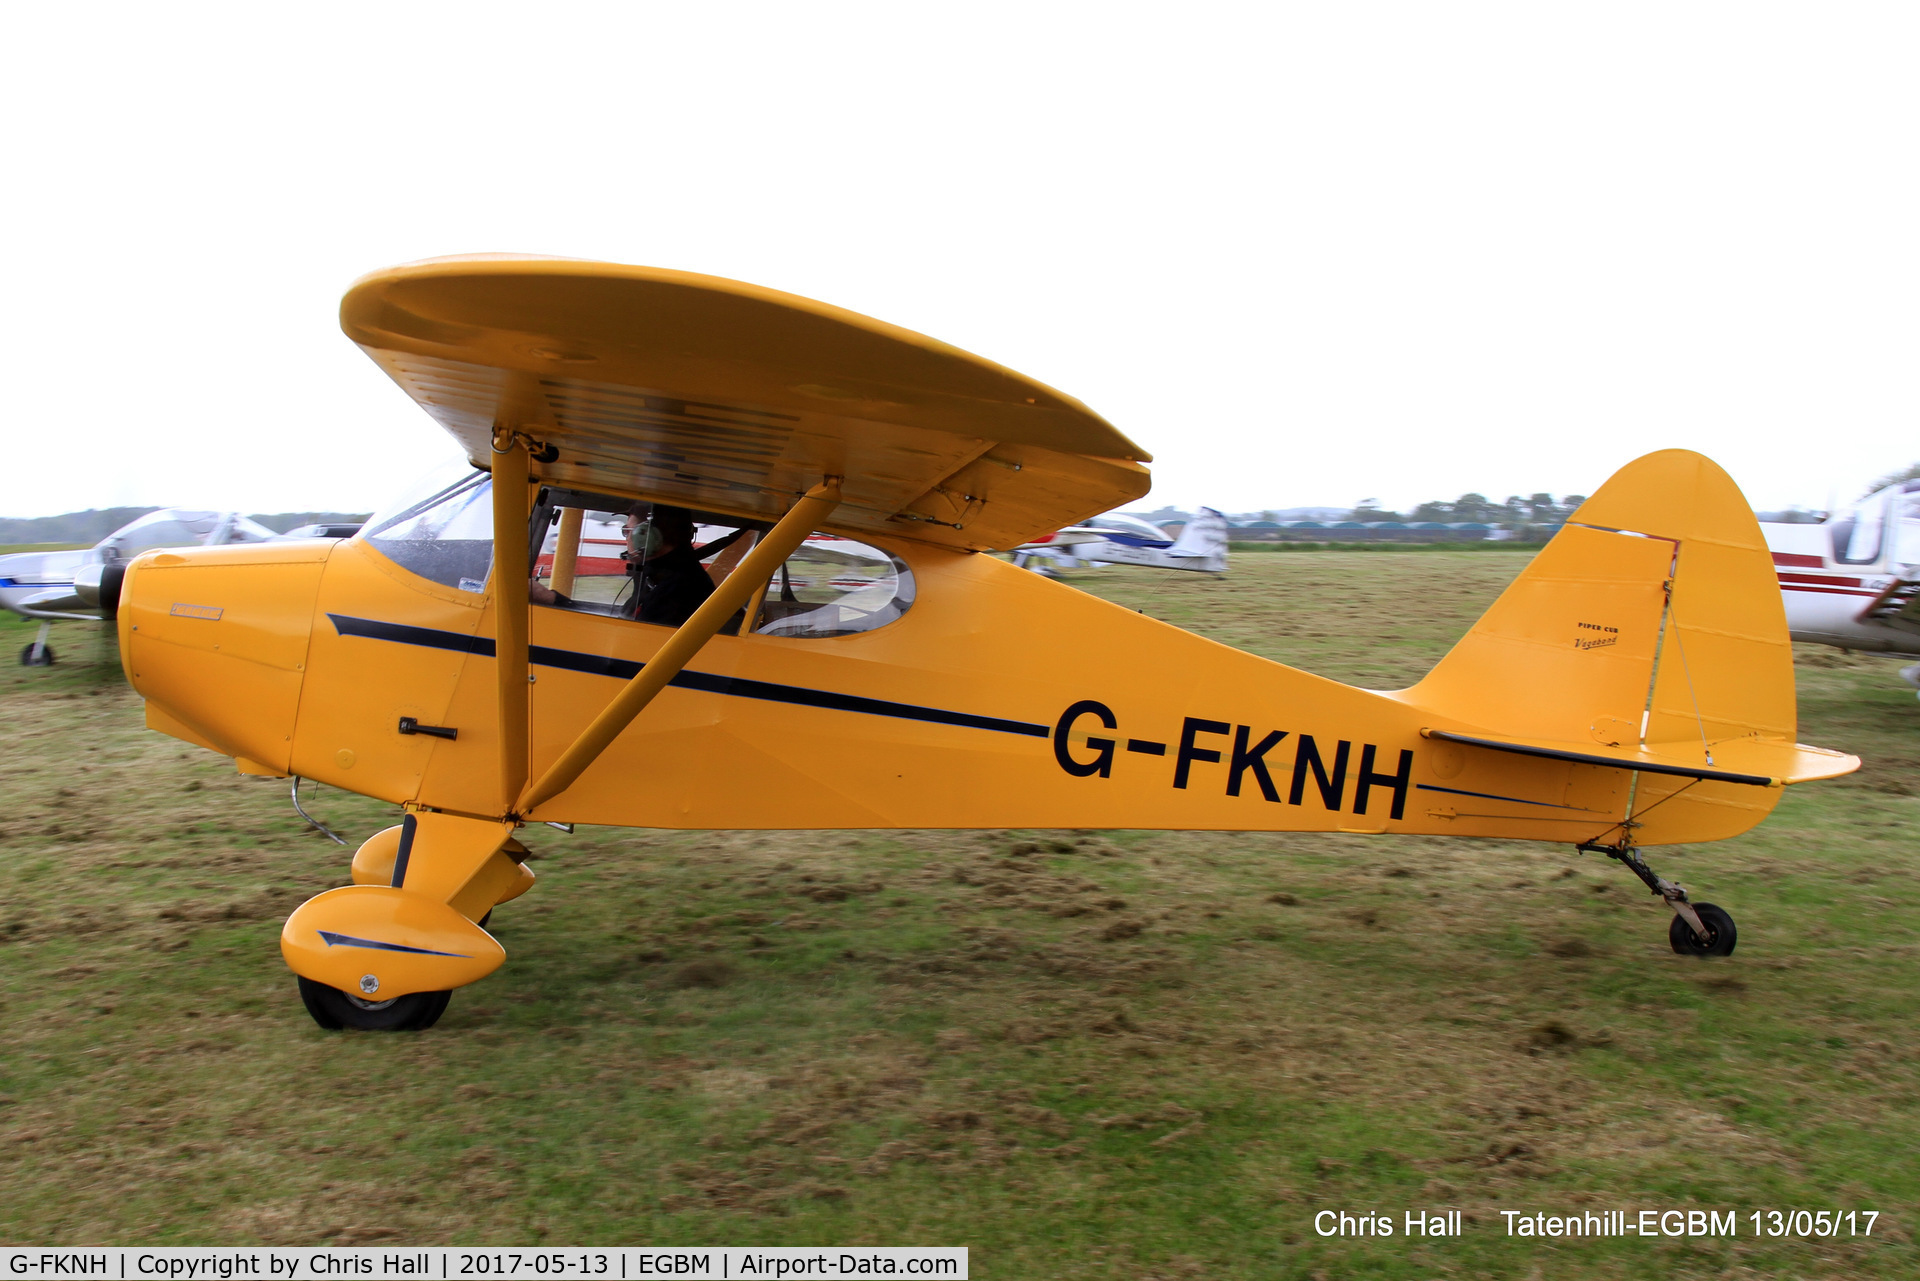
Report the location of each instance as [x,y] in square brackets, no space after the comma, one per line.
[1758,762]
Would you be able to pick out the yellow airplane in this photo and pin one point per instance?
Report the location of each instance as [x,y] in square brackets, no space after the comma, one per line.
[851,659]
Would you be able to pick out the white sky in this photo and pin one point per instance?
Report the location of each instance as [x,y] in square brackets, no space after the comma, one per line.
[1305,253]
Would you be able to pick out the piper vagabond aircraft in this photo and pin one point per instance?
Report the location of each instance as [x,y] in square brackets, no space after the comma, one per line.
[52,586]
[1632,687]
[1853,581]
[1119,539]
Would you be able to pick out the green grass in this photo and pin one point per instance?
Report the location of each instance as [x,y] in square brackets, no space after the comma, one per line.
[958,1038]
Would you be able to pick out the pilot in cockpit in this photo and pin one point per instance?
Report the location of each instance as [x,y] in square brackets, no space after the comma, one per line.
[668,581]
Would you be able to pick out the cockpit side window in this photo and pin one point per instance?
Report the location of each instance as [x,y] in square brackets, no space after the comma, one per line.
[834,586]
[599,582]
[442,529]
[646,562]
[1906,515]
[1857,535]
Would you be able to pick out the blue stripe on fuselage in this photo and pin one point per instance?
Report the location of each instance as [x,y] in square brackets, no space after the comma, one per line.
[625,669]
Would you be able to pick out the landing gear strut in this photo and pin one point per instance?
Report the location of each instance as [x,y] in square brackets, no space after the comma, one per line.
[1698,929]
[38,653]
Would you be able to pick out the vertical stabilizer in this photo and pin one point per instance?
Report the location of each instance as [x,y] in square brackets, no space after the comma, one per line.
[1651,623]
[1726,666]
[1204,538]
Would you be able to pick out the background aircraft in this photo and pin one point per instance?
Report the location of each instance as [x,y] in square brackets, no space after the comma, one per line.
[51,586]
[1118,539]
[1853,581]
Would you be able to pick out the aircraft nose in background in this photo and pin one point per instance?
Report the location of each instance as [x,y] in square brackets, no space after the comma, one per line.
[215,639]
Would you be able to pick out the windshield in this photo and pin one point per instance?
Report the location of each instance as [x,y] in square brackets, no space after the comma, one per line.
[441,529]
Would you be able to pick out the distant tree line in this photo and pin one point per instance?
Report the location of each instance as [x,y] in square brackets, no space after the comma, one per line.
[94,524]
[1911,472]
[1536,509]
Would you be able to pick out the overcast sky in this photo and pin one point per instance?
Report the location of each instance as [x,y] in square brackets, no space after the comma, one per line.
[1303,253]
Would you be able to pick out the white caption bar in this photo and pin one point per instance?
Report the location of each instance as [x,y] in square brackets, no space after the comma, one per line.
[447,1263]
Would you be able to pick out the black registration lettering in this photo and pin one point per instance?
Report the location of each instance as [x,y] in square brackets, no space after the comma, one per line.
[1252,758]
[1183,764]
[1332,785]
[1102,761]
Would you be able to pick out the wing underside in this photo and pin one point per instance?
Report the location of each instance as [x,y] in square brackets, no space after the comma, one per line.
[724,397]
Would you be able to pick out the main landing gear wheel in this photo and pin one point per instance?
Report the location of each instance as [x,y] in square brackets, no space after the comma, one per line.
[1720,933]
[333,1009]
[35,655]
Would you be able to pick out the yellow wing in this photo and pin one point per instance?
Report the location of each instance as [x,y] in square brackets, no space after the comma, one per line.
[726,397]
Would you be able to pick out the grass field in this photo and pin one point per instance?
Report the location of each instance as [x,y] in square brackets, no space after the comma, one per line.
[1099,1055]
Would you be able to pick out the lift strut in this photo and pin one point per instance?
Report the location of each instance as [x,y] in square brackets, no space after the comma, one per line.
[768,554]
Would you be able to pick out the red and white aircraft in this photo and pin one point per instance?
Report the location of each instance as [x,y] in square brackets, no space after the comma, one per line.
[1853,581]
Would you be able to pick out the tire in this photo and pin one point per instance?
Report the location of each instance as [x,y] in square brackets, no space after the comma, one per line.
[333,1009]
[1719,927]
[482,922]
[44,659]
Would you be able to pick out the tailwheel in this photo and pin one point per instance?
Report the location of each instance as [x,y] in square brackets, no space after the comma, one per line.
[1720,932]
[1714,935]
[37,655]
[333,1009]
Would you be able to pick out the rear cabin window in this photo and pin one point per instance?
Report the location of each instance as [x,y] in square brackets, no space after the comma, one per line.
[834,586]
[442,529]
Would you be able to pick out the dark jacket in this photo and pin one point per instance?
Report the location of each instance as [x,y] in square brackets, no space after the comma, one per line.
[669,588]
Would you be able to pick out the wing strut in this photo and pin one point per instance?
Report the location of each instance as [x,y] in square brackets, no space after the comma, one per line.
[510,574]
[767,555]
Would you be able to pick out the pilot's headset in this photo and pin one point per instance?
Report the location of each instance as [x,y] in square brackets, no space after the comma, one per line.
[660,527]
[643,540]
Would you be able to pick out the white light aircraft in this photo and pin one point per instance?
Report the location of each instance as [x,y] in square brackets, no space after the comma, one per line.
[1118,539]
[50,586]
